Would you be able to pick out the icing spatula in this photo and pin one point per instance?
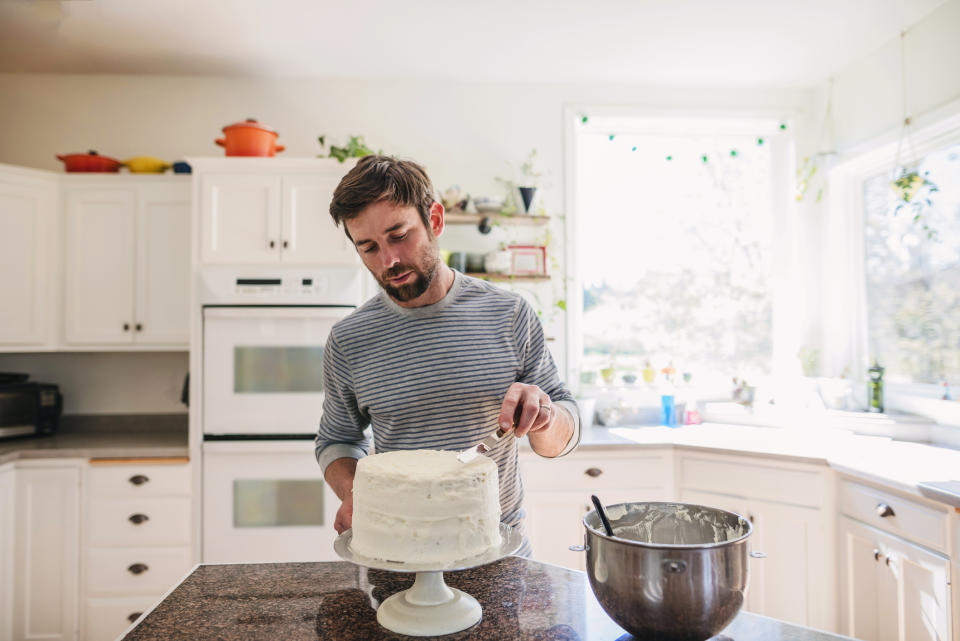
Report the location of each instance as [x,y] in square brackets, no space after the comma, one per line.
[487,444]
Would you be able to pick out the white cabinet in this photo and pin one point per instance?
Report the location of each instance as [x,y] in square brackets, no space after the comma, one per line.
[127,271]
[253,211]
[137,532]
[46,564]
[892,589]
[28,258]
[786,504]
[7,510]
[557,494]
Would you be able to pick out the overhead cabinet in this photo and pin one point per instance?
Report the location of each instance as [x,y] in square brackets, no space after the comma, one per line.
[127,263]
[29,250]
[265,211]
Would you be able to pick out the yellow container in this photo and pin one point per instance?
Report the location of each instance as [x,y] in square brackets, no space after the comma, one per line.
[146,165]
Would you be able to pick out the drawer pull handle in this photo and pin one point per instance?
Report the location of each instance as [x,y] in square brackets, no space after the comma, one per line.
[137,568]
[593,472]
[137,519]
[884,510]
[133,616]
[139,479]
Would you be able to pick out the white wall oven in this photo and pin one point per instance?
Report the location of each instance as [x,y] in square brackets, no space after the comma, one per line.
[261,396]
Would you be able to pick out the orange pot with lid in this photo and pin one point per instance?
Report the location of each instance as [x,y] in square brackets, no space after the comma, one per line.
[249,138]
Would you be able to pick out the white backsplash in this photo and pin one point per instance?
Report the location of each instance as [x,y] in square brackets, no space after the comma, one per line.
[108,382]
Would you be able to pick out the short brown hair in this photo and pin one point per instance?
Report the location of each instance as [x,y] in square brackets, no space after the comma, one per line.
[382,178]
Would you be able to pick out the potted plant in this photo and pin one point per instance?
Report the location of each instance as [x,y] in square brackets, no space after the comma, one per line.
[529,181]
[356,148]
[913,193]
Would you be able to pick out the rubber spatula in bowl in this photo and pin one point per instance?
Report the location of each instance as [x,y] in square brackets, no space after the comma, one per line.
[603,514]
[487,444]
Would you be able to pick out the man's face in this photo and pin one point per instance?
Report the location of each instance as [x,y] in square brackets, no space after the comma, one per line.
[399,251]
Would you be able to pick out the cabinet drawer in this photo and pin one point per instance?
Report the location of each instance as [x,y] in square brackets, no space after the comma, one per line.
[108,618]
[769,482]
[140,522]
[906,518]
[133,480]
[586,472]
[113,572]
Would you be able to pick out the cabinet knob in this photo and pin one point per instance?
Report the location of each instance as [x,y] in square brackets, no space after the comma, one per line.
[593,472]
[285,244]
[139,327]
[887,561]
[884,510]
[876,555]
[133,616]
[137,519]
[126,327]
[273,244]
[138,568]
[139,479]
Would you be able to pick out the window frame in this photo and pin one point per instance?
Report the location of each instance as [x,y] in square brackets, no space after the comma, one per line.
[847,344]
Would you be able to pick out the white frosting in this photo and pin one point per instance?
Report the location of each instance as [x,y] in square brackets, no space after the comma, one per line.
[424,506]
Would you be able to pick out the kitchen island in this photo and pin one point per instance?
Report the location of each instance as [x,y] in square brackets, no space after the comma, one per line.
[521,599]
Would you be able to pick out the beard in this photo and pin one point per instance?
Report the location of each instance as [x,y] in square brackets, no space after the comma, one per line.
[423,275]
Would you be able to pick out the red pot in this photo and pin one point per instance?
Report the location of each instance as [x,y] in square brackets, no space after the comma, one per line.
[90,161]
[249,138]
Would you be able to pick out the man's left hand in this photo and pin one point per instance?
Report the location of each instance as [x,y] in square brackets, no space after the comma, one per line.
[537,411]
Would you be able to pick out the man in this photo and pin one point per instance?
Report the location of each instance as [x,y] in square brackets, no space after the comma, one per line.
[438,359]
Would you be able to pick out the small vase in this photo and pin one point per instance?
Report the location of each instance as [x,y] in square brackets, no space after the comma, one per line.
[527,194]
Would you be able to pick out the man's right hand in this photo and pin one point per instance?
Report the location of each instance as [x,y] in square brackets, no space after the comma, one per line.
[344,519]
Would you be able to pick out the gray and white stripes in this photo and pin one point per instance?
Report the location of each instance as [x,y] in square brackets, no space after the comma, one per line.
[434,377]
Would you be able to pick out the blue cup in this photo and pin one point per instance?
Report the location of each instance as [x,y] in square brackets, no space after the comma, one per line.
[668,414]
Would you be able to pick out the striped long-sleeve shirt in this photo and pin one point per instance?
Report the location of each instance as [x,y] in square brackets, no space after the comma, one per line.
[434,377]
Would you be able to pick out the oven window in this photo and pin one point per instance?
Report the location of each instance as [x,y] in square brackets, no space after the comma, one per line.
[277,503]
[277,369]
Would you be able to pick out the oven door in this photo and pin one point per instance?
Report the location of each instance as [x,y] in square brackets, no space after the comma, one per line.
[263,368]
[266,502]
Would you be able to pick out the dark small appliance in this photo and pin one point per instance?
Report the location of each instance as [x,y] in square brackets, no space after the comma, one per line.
[28,408]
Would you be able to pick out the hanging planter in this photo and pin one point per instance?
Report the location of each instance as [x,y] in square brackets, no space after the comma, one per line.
[912,188]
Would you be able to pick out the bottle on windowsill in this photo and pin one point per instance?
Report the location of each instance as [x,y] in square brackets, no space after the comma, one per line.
[875,388]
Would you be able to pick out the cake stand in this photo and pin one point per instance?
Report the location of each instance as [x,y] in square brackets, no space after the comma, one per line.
[430,607]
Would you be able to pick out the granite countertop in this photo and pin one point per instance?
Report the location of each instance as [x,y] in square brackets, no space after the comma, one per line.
[521,599]
[106,436]
[916,468]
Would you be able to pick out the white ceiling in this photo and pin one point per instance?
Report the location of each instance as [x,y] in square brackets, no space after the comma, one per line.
[776,43]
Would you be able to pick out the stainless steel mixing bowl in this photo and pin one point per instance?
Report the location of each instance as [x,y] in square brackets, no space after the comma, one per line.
[672,571]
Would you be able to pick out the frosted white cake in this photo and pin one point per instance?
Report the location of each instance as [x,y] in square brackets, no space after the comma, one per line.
[424,506]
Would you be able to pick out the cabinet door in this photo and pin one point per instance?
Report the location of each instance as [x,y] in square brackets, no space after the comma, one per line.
[100,231]
[239,218]
[308,233]
[869,586]
[163,266]
[7,509]
[792,538]
[924,582]
[27,247]
[46,566]
[554,523]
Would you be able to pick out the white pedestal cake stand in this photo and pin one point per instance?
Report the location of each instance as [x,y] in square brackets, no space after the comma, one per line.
[430,607]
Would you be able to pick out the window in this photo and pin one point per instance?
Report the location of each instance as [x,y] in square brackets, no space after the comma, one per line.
[675,249]
[912,270]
